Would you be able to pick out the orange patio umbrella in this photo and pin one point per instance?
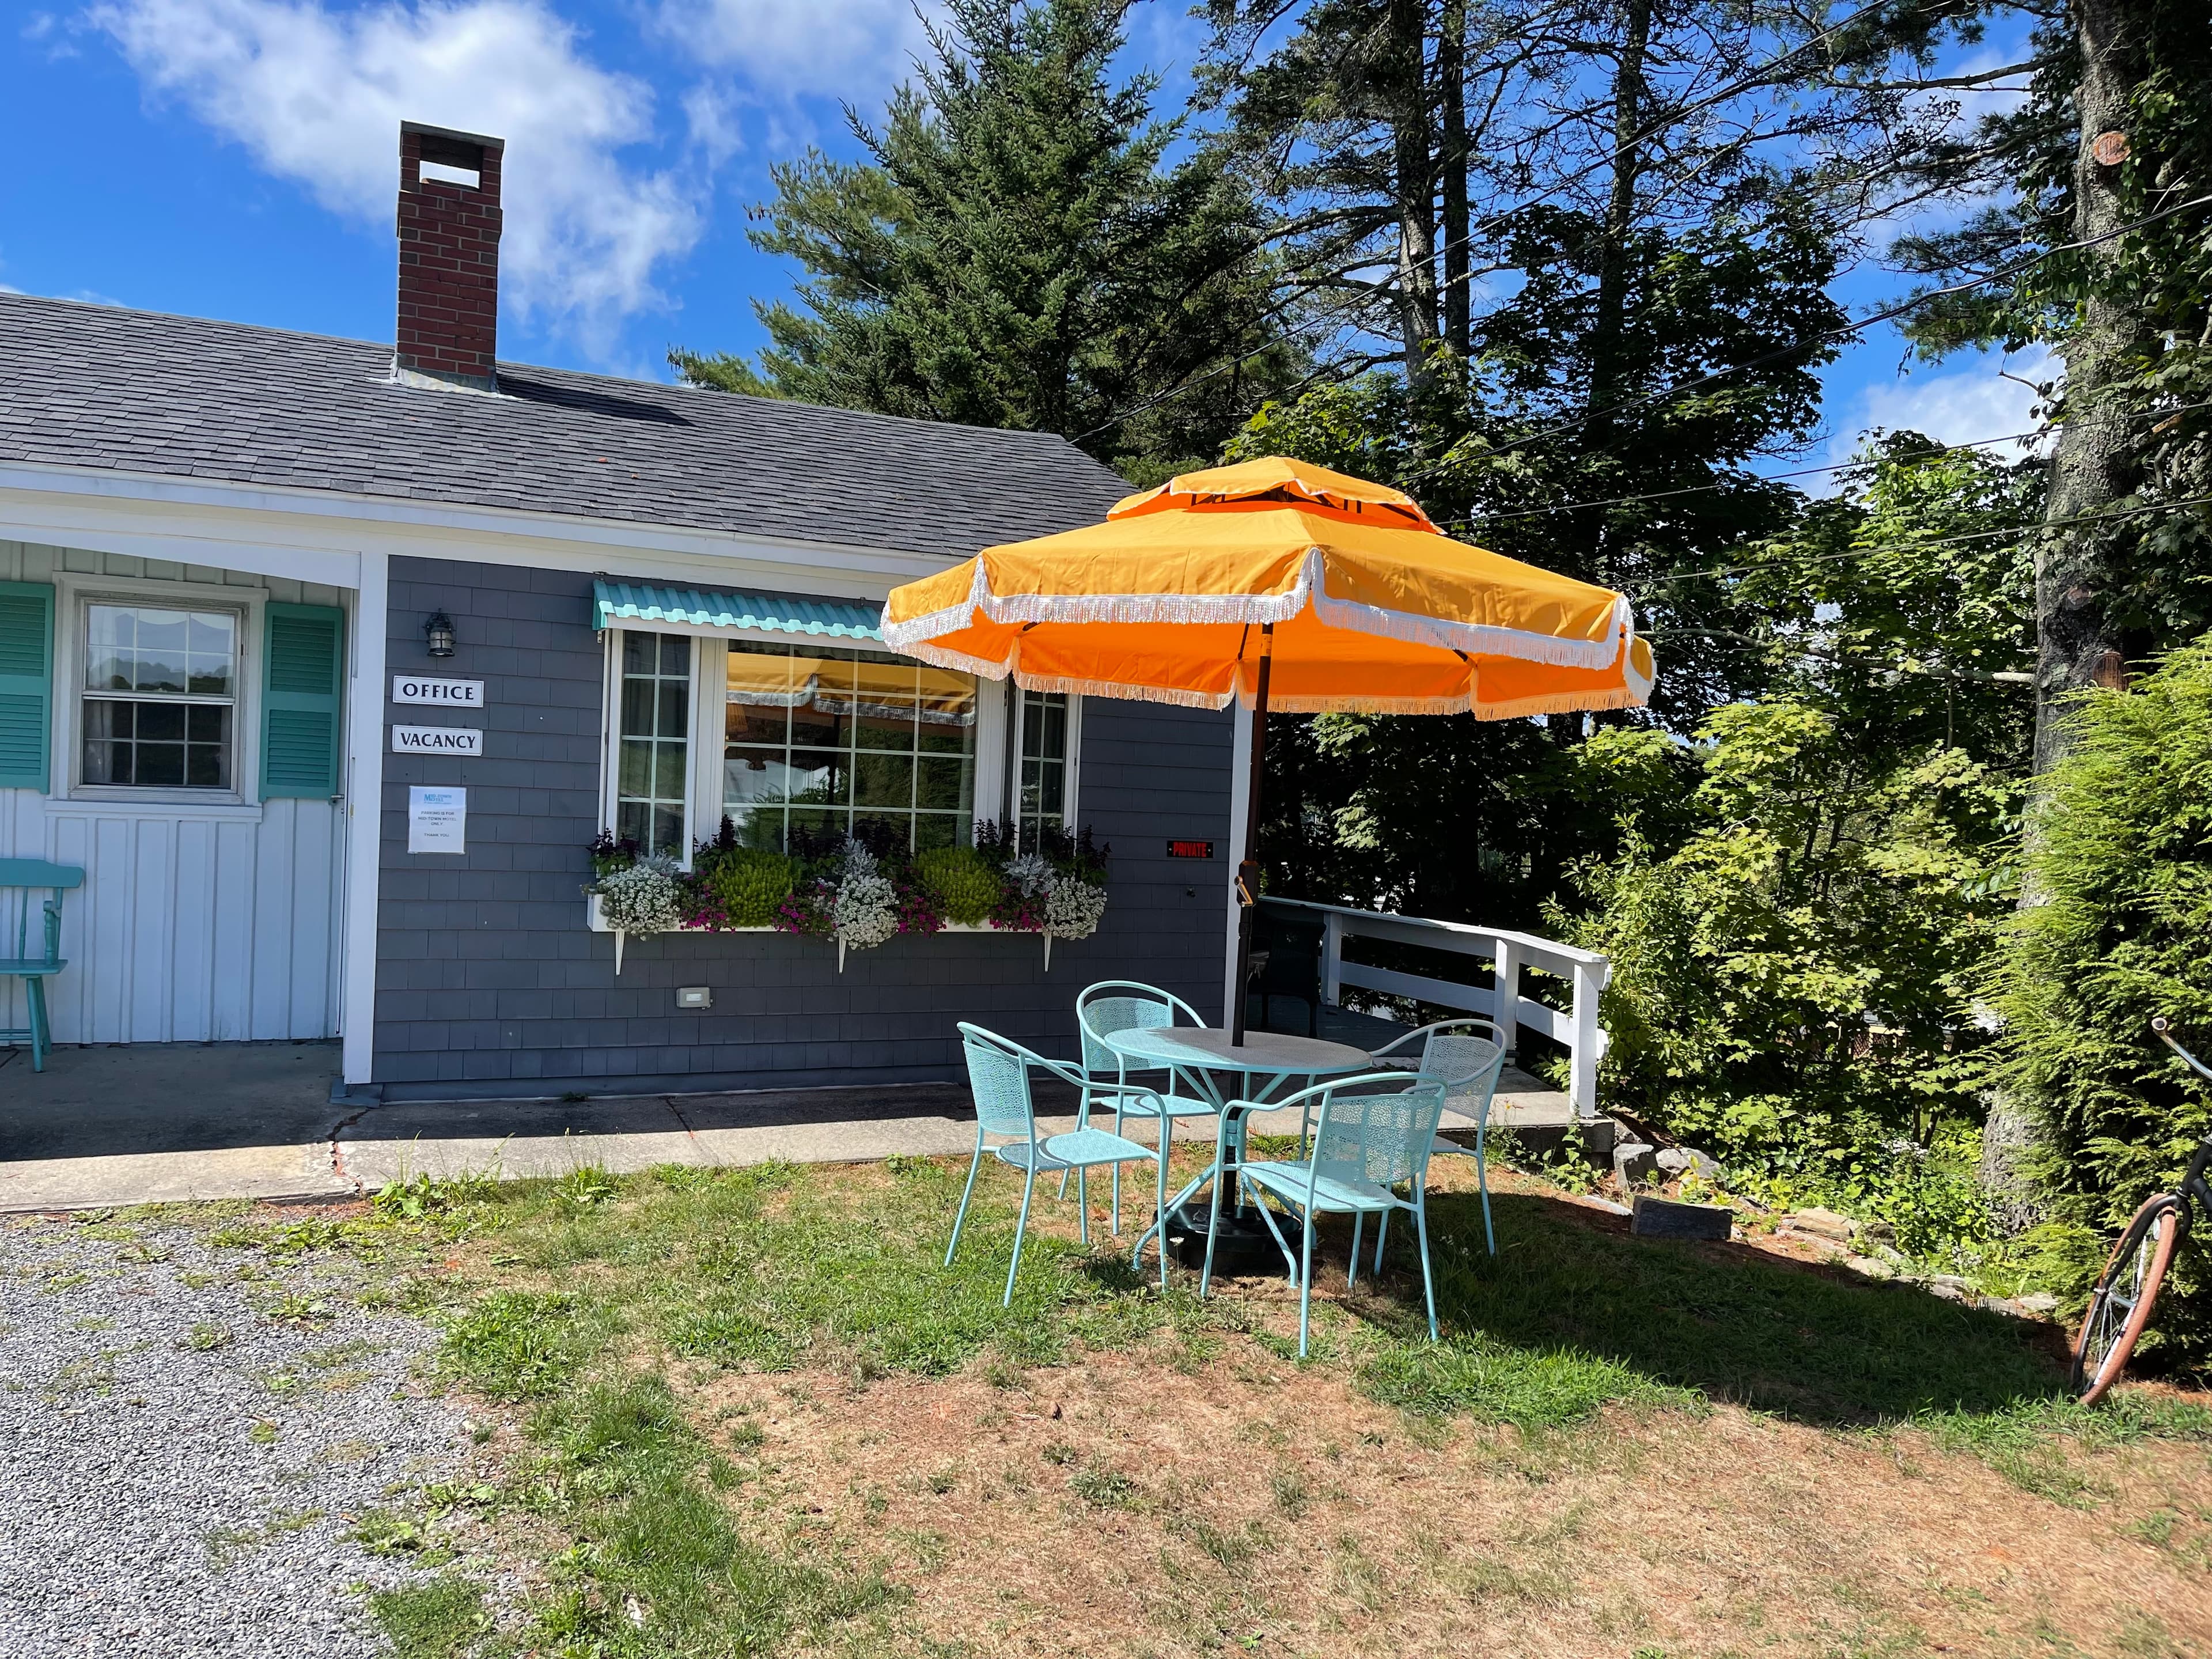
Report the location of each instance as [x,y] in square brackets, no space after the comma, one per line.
[1284,586]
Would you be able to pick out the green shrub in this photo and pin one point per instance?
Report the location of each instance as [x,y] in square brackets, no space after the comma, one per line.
[2121,857]
[748,884]
[963,882]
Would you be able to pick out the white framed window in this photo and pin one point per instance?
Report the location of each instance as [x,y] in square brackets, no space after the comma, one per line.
[652,732]
[1047,732]
[157,694]
[785,737]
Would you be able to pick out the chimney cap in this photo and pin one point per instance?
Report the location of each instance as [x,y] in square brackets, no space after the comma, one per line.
[454,133]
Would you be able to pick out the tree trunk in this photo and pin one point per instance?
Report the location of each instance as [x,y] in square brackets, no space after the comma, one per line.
[1415,186]
[1629,117]
[2095,465]
[2077,644]
[1451,85]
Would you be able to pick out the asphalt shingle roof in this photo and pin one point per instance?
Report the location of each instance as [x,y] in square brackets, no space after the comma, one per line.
[89,385]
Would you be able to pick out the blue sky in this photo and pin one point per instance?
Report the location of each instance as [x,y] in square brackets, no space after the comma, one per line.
[237,159]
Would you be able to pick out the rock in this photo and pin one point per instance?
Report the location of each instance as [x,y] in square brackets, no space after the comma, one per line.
[1870,1267]
[1948,1293]
[1875,1232]
[1820,1223]
[1634,1160]
[1662,1218]
[1949,1281]
[2041,1303]
[1685,1160]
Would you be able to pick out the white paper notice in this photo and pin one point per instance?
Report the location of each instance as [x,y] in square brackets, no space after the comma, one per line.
[437,820]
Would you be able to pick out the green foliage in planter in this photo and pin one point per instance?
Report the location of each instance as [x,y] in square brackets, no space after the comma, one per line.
[963,881]
[748,883]
[2122,856]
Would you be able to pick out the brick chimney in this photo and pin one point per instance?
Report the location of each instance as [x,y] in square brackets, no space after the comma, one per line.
[449,225]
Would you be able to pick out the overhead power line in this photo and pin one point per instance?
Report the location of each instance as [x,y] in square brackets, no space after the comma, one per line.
[2018,533]
[1493,221]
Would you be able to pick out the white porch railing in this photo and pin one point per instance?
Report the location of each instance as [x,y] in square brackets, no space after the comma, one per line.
[1508,953]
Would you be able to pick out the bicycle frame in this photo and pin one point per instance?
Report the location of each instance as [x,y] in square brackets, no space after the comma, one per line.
[2193,1182]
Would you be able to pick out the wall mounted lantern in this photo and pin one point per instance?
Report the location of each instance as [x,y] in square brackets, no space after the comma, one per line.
[438,630]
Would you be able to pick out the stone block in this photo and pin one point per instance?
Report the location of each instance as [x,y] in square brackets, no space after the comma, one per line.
[1634,1160]
[1686,1160]
[1820,1223]
[1663,1218]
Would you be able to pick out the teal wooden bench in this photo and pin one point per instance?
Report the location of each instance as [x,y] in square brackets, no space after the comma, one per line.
[21,881]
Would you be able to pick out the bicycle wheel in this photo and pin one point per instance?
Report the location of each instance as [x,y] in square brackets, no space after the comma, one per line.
[2120,1306]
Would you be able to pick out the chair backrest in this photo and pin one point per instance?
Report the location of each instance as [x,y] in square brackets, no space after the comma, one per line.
[1377,1129]
[1468,1063]
[22,882]
[999,1077]
[1121,1005]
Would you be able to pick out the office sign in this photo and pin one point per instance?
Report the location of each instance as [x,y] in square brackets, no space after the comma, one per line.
[436,740]
[441,694]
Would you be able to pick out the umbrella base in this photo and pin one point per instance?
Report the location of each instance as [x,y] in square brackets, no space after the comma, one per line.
[1242,1246]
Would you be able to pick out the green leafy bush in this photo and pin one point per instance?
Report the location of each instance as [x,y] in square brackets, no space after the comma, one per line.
[965,882]
[746,885]
[2122,858]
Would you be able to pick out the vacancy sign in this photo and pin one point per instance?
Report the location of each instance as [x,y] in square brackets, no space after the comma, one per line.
[437,740]
[443,694]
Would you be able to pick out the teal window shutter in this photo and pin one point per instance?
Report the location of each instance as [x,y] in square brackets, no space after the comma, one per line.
[26,683]
[302,660]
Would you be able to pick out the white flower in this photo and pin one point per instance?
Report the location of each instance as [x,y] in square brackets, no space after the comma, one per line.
[1073,908]
[642,899]
[865,912]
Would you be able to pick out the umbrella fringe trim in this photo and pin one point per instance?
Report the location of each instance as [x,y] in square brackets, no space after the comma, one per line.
[1476,639]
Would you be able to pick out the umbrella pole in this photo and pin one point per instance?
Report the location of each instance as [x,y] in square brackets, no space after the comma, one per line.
[1248,870]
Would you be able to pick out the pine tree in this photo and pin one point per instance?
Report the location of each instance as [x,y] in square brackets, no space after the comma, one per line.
[1019,250]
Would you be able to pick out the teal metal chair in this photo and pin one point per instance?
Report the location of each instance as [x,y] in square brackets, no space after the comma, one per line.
[1359,1139]
[998,1076]
[21,881]
[1466,1056]
[1124,1005]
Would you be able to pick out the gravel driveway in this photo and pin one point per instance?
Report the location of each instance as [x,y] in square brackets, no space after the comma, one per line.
[187,1436]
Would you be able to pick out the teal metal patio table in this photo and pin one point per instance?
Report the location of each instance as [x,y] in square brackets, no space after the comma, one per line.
[1199,1059]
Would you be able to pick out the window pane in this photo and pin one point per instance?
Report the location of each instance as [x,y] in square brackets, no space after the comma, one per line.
[815,821]
[939,829]
[675,700]
[758,826]
[819,776]
[883,780]
[637,707]
[946,784]
[159,765]
[634,774]
[161,722]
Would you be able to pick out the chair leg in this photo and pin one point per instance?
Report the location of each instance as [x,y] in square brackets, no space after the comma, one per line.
[1428,1283]
[1482,1182]
[35,987]
[1213,1220]
[1305,1281]
[1117,1171]
[1160,1204]
[966,1192]
[1351,1275]
[1028,1186]
[1381,1232]
[1082,1202]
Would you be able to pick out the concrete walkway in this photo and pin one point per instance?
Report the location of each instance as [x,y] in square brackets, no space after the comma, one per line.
[157,1123]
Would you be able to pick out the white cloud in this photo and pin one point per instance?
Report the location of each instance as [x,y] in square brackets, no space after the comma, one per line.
[1995,398]
[317,96]
[853,49]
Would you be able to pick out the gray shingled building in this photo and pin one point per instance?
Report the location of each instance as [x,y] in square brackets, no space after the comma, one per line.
[228,555]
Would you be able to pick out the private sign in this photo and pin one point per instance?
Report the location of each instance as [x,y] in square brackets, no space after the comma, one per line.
[436,740]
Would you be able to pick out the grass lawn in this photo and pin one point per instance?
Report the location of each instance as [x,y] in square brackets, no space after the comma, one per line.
[749,1412]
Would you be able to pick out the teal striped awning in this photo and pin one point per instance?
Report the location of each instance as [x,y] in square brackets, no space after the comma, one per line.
[701,610]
